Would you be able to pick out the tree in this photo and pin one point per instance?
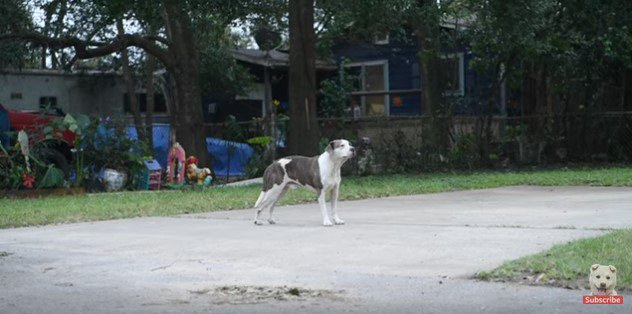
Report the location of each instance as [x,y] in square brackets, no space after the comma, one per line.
[13,16]
[426,19]
[304,133]
[363,19]
[175,49]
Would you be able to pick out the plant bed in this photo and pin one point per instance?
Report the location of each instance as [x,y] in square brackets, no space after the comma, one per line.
[36,193]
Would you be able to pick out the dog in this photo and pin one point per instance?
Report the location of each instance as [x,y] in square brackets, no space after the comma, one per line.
[602,280]
[320,173]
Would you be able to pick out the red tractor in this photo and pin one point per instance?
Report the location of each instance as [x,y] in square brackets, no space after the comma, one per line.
[52,147]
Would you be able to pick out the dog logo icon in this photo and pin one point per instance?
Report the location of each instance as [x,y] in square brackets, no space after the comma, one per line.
[602,280]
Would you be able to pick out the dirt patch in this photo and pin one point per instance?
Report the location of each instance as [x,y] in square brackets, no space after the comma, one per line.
[259,294]
[533,279]
[5,254]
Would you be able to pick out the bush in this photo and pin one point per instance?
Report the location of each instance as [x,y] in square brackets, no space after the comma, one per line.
[104,143]
[261,157]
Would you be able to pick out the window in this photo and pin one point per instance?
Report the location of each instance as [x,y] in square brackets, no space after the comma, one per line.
[415,75]
[382,39]
[48,101]
[454,74]
[48,105]
[371,87]
[160,105]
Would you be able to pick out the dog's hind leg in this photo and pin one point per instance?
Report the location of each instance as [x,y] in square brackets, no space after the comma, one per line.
[259,205]
[281,194]
[267,199]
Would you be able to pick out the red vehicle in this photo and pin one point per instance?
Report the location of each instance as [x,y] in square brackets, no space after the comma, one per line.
[55,149]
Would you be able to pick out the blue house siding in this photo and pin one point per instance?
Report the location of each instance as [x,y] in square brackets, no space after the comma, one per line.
[405,81]
[403,70]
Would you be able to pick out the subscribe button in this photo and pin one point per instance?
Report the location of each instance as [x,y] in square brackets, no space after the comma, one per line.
[602,299]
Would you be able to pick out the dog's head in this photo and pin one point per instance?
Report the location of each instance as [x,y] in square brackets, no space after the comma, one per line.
[603,277]
[341,149]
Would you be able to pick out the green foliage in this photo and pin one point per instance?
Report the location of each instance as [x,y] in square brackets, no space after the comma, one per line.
[104,143]
[233,131]
[578,42]
[259,142]
[13,169]
[464,152]
[260,158]
[336,94]
[322,144]
[53,178]
[14,16]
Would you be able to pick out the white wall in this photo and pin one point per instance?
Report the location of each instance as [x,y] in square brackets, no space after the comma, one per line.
[96,94]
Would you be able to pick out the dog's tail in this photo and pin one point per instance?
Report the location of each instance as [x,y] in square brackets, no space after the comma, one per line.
[260,199]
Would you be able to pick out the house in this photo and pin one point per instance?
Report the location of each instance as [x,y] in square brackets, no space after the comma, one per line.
[270,69]
[389,81]
[94,93]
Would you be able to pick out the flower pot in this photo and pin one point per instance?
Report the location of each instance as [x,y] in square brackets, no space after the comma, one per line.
[114,179]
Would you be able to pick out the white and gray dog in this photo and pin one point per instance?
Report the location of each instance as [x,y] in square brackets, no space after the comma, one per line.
[320,173]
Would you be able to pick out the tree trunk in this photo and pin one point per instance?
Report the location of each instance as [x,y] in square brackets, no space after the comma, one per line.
[303,133]
[189,117]
[150,67]
[433,82]
[128,78]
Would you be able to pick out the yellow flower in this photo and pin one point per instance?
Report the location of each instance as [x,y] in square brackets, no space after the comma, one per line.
[276,102]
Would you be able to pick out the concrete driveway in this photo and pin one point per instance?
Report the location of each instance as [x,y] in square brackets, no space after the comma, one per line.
[411,254]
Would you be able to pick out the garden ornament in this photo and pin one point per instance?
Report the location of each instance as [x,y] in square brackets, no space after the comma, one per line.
[197,175]
[23,140]
[175,164]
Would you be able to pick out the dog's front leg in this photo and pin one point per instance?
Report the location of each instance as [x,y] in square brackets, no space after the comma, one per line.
[334,206]
[323,208]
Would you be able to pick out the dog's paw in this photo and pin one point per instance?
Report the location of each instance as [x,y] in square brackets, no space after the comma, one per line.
[272,221]
[258,223]
[339,221]
[327,223]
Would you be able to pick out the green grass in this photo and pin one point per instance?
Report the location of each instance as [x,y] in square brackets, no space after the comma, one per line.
[51,210]
[568,265]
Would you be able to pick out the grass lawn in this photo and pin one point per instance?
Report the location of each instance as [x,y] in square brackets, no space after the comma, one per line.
[567,265]
[51,210]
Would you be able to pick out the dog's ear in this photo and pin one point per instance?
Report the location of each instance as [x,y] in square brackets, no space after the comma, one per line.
[330,147]
[594,267]
[612,268]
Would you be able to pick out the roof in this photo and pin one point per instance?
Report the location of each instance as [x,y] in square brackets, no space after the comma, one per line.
[273,58]
[57,72]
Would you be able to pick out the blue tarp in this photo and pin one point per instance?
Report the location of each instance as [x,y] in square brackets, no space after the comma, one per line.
[224,151]
[161,142]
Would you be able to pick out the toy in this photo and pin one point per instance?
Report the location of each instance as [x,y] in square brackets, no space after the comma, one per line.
[197,175]
[190,160]
[150,178]
[175,164]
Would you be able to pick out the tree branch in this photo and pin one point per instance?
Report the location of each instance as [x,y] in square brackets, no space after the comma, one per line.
[83,50]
